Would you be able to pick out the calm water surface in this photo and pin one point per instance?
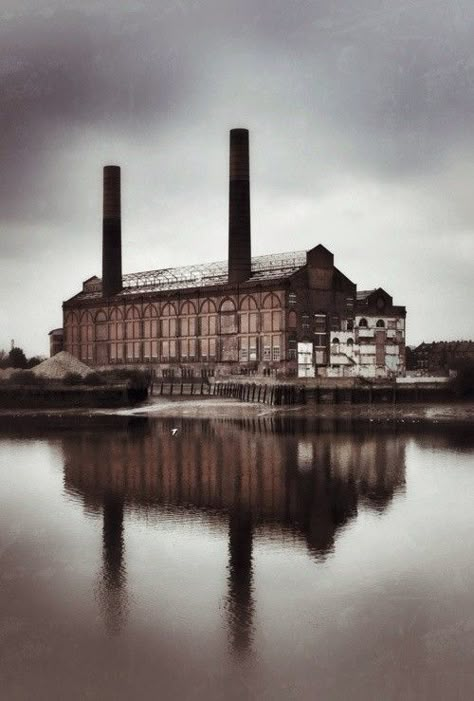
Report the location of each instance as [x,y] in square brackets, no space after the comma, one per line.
[268,559]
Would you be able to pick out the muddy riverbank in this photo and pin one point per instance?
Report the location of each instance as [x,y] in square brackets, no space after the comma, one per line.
[218,408]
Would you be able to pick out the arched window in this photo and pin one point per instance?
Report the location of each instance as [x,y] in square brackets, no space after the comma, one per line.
[150,332]
[350,341]
[381,324]
[150,321]
[86,333]
[248,315]
[208,330]
[248,303]
[101,327]
[335,341]
[271,320]
[133,334]
[168,321]
[363,323]
[271,301]
[71,333]
[116,334]
[132,323]
[187,331]
[228,317]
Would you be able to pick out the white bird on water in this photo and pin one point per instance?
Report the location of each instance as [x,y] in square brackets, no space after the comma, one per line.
[174,431]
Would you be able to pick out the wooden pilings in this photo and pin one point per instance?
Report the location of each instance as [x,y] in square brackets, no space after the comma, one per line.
[297,394]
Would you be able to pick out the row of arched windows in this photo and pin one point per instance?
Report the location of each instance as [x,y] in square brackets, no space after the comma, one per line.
[208,306]
[118,325]
[363,323]
[350,341]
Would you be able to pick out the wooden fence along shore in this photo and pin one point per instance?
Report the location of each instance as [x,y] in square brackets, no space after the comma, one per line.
[292,394]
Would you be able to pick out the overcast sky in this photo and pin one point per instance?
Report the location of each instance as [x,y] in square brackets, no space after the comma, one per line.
[361,137]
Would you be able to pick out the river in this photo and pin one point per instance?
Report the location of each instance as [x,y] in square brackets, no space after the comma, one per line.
[267,558]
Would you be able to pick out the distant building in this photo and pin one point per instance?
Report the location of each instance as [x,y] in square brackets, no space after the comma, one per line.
[440,356]
[289,314]
[56,341]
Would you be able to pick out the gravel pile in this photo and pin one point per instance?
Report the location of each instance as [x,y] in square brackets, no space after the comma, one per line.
[57,367]
[5,373]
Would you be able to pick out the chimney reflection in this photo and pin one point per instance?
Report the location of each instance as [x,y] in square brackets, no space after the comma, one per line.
[240,605]
[112,590]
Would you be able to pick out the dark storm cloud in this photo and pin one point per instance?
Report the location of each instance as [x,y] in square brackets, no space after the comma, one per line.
[67,71]
[394,81]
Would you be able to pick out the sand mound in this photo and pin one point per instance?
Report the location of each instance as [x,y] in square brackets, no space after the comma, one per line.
[57,367]
[6,373]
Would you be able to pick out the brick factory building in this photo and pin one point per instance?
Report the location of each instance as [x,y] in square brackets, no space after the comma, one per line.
[290,314]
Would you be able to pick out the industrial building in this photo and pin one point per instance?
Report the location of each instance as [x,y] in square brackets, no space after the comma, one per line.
[440,357]
[290,315]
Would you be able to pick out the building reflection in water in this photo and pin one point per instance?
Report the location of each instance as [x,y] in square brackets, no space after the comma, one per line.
[301,480]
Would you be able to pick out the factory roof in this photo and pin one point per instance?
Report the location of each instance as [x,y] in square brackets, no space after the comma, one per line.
[264,268]
[363,294]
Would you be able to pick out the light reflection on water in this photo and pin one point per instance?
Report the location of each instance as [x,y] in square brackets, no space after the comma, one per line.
[237,543]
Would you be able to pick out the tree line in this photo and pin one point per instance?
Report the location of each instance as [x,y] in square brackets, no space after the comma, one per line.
[16,358]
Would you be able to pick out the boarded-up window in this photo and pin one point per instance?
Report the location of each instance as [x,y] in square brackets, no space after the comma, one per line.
[229,349]
[102,354]
[101,332]
[228,317]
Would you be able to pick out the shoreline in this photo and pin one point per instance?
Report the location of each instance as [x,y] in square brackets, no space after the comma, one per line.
[461,413]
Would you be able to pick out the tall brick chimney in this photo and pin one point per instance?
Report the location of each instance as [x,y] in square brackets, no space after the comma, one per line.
[111,233]
[239,207]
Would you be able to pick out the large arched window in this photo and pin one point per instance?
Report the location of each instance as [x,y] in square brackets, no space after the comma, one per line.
[272,324]
[228,317]
[271,319]
[168,321]
[133,334]
[248,327]
[381,324]
[187,331]
[169,329]
[363,323]
[116,334]
[208,330]
[150,332]
[71,333]
[86,326]
[248,315]
[101,326]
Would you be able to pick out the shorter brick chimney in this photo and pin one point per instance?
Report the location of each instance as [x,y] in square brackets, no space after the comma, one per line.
[111,233]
